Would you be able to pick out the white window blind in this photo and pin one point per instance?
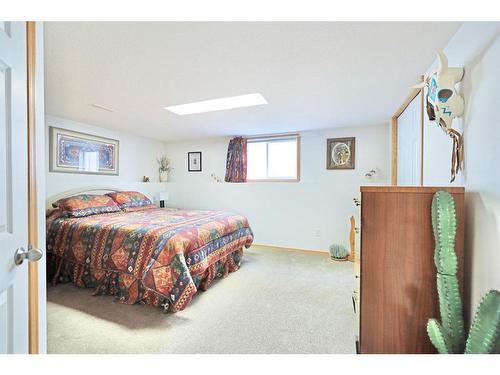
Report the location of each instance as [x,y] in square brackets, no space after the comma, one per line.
[273,158]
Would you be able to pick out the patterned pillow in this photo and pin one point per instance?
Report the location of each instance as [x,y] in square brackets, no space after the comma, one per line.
[86,204]
[129,199]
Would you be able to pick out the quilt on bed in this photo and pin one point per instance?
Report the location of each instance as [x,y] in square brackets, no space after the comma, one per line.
[157,256]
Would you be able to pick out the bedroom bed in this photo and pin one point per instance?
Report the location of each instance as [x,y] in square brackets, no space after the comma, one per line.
[139,253]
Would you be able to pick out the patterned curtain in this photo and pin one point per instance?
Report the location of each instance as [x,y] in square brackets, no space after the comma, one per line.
[236,164]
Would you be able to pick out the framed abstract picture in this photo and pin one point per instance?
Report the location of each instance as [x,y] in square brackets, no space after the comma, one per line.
[194,161]
[340,153]
[75,152]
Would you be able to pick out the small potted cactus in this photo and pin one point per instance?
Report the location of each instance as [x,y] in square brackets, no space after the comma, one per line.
[339,253]
[449,336]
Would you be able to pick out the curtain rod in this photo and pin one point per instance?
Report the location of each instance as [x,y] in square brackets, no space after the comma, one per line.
[276,135]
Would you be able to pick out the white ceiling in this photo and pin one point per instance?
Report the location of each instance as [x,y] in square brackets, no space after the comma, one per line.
[313,75]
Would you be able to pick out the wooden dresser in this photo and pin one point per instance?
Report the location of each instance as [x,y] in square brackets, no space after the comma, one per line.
[398,277]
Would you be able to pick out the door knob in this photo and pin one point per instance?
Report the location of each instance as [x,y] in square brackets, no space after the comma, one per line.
[32,254]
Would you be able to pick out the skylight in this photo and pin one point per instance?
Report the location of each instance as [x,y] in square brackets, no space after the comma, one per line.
[218,104]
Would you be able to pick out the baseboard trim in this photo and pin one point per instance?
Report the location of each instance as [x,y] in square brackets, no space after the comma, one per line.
[291,249]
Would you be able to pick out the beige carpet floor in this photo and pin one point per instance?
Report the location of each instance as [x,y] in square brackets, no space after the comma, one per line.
[278,302]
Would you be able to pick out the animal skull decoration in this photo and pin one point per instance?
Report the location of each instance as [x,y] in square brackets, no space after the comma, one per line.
[444,104]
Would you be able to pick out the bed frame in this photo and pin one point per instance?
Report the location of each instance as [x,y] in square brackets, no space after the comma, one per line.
[84,190]
[58,261]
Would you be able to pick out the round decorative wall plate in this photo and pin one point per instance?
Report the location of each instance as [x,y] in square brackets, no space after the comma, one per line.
[340,154]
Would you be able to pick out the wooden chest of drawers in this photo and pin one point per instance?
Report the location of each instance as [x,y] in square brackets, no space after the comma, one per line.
[398,277]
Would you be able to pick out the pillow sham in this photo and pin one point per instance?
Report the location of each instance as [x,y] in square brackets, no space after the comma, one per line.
[86,204]
[129,199]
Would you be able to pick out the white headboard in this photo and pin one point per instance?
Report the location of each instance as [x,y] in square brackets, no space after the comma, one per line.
[83,190]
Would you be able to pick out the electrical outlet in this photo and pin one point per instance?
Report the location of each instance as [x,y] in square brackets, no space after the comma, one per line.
[317,233]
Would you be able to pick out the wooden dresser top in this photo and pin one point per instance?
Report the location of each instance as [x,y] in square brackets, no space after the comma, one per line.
[411,189]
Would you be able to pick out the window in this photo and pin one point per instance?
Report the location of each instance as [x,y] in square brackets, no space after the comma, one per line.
[274,158]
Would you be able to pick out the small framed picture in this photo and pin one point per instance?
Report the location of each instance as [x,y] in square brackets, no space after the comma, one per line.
[340,153]
[194,161]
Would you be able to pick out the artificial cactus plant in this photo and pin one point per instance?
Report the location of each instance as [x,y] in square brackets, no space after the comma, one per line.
[449,336]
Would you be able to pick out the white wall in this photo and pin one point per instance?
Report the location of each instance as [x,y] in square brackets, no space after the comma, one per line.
[476,47]
[310,214]
[137,158]
[285,214]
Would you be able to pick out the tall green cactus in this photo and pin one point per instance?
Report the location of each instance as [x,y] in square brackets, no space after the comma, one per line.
[484,333]
[438,336]
[451,331]
[449,337]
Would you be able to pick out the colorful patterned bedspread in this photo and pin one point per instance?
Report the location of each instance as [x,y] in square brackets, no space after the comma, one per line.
[156,256]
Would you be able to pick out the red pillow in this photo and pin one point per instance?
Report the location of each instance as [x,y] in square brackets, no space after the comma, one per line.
[86,204]
[130,199]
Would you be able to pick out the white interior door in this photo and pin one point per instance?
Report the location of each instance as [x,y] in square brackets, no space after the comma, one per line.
[13,188]
[410,144]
